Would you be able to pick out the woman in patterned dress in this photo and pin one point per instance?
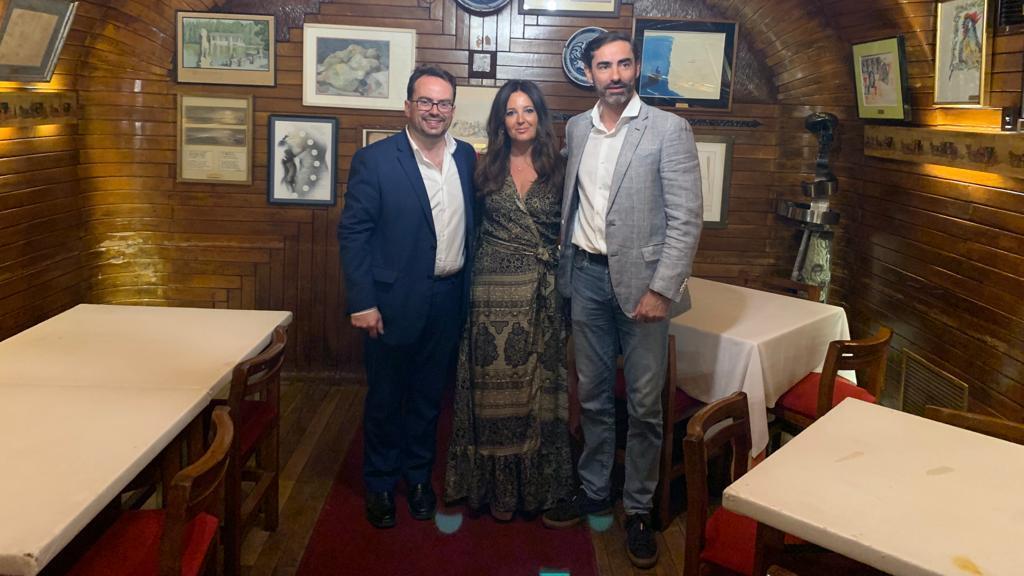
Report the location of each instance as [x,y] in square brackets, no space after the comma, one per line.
[510,449]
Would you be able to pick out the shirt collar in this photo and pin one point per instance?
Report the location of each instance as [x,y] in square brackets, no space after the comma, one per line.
[449,143]
[632,111]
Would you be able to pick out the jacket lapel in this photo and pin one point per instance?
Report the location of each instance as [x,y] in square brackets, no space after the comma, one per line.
[407,160]
[570,197]
[635,131]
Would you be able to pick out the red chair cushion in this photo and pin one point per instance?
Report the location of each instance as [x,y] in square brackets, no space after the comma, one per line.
[683,400]
[729,541]
[257,417]
[803,398]
[131,547]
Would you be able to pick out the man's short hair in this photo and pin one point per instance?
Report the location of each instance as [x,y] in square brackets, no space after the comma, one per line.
[602,39]
[429,70]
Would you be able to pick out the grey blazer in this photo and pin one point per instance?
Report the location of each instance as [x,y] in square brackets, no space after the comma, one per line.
[655,208]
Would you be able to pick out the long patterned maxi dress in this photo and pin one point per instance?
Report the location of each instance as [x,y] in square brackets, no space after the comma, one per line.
[510,441]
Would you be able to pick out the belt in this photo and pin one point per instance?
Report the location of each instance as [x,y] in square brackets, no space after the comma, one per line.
[601,259]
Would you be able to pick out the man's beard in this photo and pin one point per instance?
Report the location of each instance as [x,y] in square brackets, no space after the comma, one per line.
[616,99]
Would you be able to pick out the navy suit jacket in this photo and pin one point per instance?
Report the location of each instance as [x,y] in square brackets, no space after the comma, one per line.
[387,237]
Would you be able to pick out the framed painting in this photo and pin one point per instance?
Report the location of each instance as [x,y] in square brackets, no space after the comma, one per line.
[715,156]
[31,36]
[600,8]
[483,64]
[215,139]
[302,159]
[961,53]
[880,76]
[356,66]
[472,106]
[371,135]
[214,48]
[686,63]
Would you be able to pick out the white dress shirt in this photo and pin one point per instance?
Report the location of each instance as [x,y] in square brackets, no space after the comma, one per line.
[597,165]
[444,189]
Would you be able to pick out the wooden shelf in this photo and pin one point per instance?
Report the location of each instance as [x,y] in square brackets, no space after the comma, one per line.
[976,149]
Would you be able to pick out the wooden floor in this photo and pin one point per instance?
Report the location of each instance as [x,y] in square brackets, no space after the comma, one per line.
[319,420]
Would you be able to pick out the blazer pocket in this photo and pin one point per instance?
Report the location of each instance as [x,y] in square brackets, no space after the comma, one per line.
[652,252]
[385,276]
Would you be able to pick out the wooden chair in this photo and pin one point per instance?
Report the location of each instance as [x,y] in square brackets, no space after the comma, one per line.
[995,427]
[784,286]
[179,539]
[255,400]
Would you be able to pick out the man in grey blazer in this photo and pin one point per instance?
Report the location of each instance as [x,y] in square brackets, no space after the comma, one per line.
[631,220]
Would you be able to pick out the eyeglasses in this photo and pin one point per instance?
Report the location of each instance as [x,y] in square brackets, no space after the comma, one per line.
[425,104]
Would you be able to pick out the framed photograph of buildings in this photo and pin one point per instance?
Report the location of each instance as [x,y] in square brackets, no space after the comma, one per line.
[302,159]
[215,48]
[961,53]
[880,75]
[686,63]
[371,135]
[32,34]
[356,66]
[601,8]
[715,156]
[215,139]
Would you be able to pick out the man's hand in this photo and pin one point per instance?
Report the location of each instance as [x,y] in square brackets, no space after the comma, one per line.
[653,307]
[370,321]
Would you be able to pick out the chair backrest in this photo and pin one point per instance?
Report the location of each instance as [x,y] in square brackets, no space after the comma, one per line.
[995,427]
[790,288]
[260,374]
[706,433]
[867,357]
[195,489]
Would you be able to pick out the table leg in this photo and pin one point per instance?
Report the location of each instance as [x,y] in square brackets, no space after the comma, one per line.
[767,548]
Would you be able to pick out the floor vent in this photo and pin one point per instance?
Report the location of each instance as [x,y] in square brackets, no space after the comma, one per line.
[923,383]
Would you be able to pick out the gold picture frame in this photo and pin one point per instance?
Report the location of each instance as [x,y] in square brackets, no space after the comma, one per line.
[215,139]
[32,34]
[215,48]
[962,45]
[372,135]
[600,8]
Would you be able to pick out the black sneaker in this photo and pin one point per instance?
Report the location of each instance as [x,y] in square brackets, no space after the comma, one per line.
[569,512]
[641,544]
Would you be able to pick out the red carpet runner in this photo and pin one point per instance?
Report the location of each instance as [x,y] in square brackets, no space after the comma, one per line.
[343,543]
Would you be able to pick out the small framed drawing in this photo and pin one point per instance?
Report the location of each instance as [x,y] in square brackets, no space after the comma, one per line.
[302,159]
[31,36]
[961,53]
[482,64]
[880,75]
[356,66]
[214,48]
[472,106]
[601,8]
[686,63]
[215,139]
[371,135]
[715,156]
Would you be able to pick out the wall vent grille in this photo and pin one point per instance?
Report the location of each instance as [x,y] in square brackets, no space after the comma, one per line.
[923,383]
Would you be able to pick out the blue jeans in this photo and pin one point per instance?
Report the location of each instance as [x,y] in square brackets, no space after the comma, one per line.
[600,330]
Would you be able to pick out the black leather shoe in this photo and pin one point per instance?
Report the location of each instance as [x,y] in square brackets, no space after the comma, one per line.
[380,509]
[422,501]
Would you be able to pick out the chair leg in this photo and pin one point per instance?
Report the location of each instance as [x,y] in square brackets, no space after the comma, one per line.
[272,464]
[232,522]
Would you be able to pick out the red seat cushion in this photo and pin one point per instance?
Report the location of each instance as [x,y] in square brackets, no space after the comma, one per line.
[131,547]
[729,541]
[257,417]
[803,398]
[683,400]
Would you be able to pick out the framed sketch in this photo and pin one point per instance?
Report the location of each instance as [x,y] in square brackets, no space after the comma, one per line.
[214,48]
[961,53]
[602,8]
[715,156]
[880,76]
[472,106]
[302,159]
[483,64]
[356,66]
[686,63]
[371,135]
[215,139]
[31,36]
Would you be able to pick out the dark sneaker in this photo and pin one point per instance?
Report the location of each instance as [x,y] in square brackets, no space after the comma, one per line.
[569,512]
[641,544]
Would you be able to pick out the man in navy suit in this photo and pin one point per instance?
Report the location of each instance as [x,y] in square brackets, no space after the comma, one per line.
[404,237]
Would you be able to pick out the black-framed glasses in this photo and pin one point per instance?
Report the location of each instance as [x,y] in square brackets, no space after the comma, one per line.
[425,104]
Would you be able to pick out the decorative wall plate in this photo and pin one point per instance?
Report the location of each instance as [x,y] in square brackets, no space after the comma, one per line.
[482,6]
[572,55]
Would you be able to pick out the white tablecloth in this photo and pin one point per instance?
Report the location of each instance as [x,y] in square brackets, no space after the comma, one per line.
[736,338]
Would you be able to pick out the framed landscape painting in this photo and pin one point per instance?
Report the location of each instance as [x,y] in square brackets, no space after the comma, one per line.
[961,53]
[880,75]
[215,48]
[215,139]
[31,36]
[356,66]
[301,159]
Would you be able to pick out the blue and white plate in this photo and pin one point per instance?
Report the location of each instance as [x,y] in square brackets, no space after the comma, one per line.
[482,6]
[572,55]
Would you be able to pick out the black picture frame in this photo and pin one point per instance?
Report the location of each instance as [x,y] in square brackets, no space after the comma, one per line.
[302,159]
[483,64]
[881,85]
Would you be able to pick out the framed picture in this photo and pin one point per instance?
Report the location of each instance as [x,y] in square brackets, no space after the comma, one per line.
[31,36]
[880,75]
[961,53]
[216,48]
[302,159]
[604,8]
[356,66]
[371,135]
[215,139]
[472,106]
[686,63]
[483,64]
[715,156]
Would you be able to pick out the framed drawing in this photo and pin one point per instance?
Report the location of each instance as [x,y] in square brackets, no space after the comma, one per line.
[602,8]
[483,64]
[472,106]
[686,63]
[214,48]
[215,139]
[880,75]
[961,53]
[371,135]
[715,156]
[301,159]
[356,66]
[31,36]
